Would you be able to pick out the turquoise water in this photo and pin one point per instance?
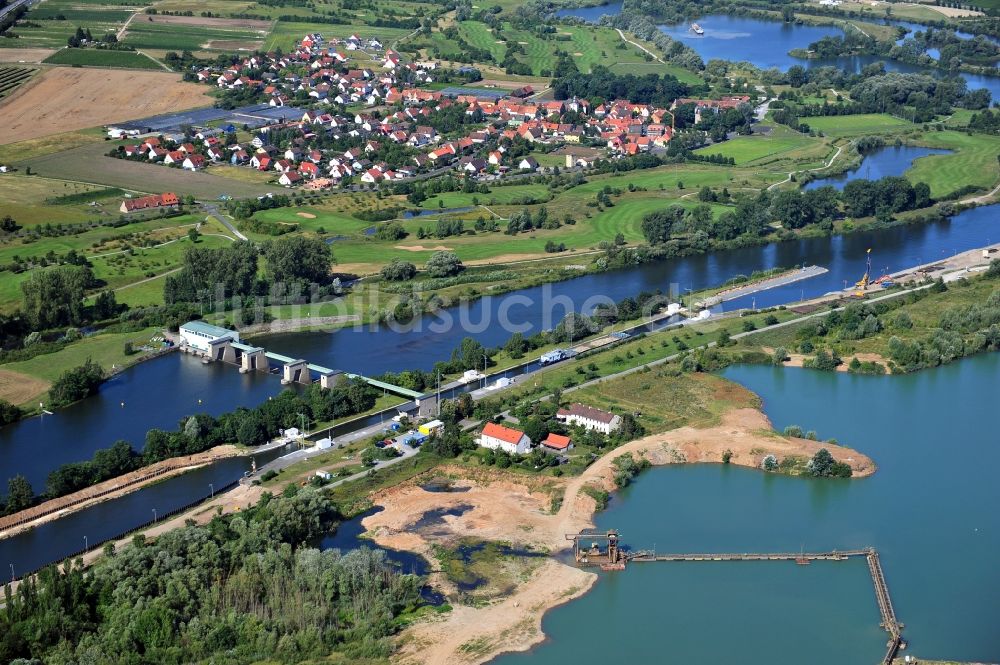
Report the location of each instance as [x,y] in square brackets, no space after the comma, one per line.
[930,510]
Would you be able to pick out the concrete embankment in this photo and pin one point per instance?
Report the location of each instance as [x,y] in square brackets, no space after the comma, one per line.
[783,279]
[110,489]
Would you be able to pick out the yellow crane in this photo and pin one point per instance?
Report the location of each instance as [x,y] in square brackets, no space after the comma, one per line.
[862,284]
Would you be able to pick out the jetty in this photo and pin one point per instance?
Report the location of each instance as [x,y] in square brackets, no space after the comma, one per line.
[766,284]
[604,549]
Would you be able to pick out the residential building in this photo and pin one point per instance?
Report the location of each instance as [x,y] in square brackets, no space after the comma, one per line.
[508,439]
[590,418]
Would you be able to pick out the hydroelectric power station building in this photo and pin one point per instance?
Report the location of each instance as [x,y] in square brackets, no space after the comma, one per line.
[200,335]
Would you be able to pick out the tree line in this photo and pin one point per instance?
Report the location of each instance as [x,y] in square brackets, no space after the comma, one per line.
[196,433]
[233,272]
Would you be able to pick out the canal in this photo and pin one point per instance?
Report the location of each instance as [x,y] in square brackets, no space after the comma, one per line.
[159,393]
[930,510]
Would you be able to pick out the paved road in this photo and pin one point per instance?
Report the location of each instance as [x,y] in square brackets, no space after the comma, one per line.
[213,211]
[14,5]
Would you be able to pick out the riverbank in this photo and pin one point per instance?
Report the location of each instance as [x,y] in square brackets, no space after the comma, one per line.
[54,509]
[517,509]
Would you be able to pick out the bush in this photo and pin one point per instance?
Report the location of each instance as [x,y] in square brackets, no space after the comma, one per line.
[76,383]
[398,270]
[444,264]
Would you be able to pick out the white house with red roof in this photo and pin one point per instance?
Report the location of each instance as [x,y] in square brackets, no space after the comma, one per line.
[503,438]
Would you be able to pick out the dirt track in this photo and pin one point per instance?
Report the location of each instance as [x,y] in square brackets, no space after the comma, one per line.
[67,98]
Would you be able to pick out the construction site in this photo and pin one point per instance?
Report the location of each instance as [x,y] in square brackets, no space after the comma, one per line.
[605,550]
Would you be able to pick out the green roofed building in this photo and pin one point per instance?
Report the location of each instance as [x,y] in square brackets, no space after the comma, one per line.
[199,335]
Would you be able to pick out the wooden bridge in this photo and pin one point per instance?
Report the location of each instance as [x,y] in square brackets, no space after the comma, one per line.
[612,557]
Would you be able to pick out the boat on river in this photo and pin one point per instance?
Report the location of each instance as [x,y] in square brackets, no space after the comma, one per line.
[697,29]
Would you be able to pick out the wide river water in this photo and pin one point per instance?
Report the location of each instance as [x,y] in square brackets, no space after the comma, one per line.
[159,393]
[766,44]
[930,510]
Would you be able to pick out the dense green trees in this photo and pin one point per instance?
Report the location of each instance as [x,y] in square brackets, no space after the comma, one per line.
[53,297]
[208,275]
[444,264]
[9,412]
[230,271]
[398,270]
[107,463]
[602,84]
[863,198]
[240,589]
[823,465]
[298,260]
[76,383]
[19,494]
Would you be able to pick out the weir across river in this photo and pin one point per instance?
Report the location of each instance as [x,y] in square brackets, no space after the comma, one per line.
[605,550]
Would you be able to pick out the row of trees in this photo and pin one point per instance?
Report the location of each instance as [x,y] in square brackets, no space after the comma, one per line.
[199,432]
[603,84]
[233,271]
[794,209]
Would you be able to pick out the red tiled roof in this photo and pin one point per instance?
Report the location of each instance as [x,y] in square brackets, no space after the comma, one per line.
[503,433]
[557,441]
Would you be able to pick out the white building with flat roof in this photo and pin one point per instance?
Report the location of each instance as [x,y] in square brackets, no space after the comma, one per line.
[199,335]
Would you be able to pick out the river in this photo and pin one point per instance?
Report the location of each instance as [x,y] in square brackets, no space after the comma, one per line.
[161,392]
[930,510]
[766,44]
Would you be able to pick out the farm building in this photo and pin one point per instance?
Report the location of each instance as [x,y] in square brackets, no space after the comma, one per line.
[589,418]
[504,438]
[198,335]
[165,200]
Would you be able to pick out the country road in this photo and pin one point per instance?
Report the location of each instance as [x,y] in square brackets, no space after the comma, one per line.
[213,211]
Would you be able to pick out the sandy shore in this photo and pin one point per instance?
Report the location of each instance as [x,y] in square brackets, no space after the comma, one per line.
[511,508]
[799,359]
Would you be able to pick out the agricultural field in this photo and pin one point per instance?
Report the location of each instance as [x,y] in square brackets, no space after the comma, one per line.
[12,77]
[85,57]
[90,164]
[858,125]
[287,33]
[21,150]
[180,33]
[32,200]
[56,20]
[65,99]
